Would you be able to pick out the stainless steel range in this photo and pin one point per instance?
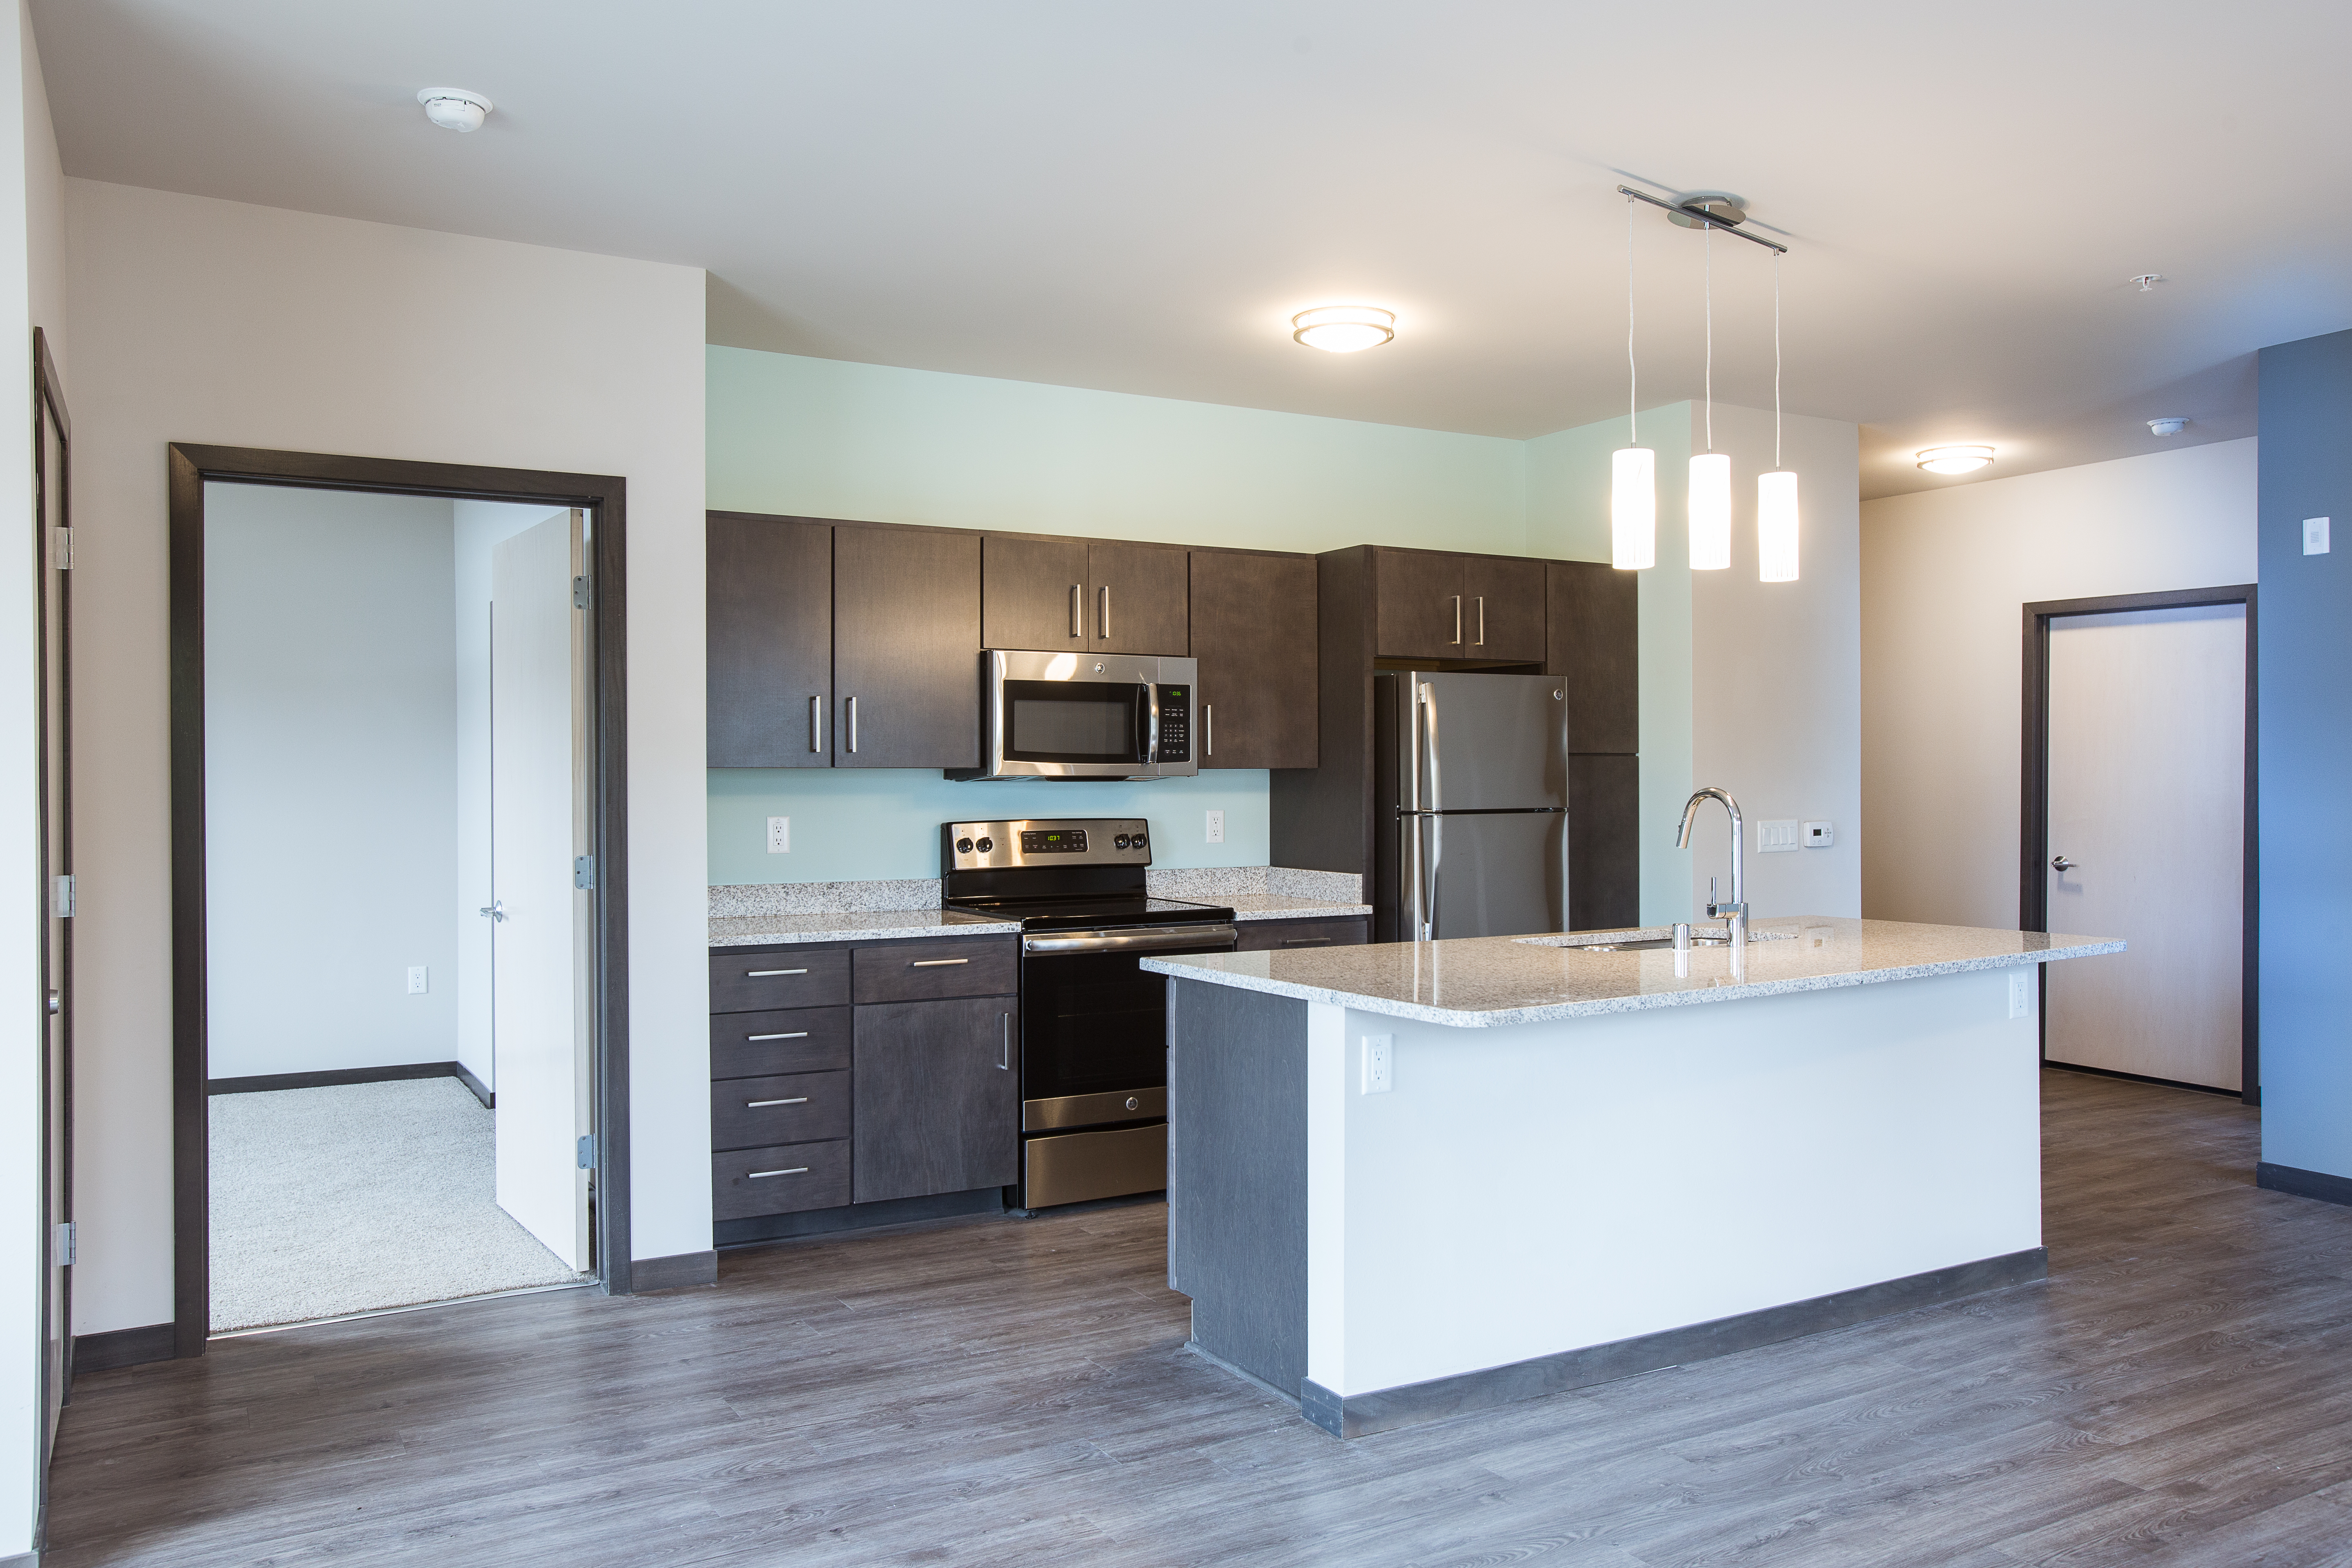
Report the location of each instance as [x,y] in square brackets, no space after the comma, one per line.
[1094,1027]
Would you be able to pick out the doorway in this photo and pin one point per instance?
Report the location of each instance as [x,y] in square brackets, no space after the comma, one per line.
[52,546]
[2138,823]
[385,814]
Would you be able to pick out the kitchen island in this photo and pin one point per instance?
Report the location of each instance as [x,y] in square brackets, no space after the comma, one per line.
[1415,1179]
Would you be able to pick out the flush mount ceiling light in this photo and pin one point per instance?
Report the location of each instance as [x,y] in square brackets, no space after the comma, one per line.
[2147,280]
[454,108]
[2166,426]
[1343,329]
[1954,459]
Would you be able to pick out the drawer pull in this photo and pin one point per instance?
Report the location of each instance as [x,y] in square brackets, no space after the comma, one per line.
[795,1035]
[937,962]
[756,1104]
[762,1175]
[764,973]
[1306,940]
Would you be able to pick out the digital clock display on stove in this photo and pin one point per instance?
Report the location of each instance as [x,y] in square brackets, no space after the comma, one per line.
[1059,841]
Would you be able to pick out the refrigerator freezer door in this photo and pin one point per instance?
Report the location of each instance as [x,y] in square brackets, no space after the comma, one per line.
[1493,874]
[1486,742]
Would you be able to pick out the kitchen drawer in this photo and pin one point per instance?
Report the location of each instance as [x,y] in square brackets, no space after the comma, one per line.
[919,970]
[758,981]
[761,1044]
[797,1108]
[785,1179]
[1279,936]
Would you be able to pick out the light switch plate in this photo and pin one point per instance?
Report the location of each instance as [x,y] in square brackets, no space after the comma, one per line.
[780,835]
[1777,836]
[1216,827]
[2315,536]
[1378,1051]
[2021,992]
[1820,835]
[416,980]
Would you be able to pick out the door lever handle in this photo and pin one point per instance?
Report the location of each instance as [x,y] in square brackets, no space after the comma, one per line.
[2061,865]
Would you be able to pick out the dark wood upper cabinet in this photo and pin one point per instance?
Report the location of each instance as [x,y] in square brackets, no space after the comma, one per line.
[769,599]
[937,1103]
[1136,598]
[1420,612]
[1254,633]
[1503,608]
[906,649]
[1591,641]
[1032,593]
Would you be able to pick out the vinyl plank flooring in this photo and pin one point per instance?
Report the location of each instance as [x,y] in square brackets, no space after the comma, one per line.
[991,1391]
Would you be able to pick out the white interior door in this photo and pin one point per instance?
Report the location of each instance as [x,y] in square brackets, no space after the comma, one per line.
[2147,733]
[539,827]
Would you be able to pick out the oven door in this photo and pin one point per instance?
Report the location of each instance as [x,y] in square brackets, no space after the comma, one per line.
[1094,1025]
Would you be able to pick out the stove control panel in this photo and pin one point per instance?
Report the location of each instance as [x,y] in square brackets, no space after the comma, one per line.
[1044,842]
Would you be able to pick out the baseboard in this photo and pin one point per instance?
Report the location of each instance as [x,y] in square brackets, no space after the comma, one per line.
[481,1090]
[262,1083]
[2143,1078]
[2302,1184]
[855,1216]
[22,1560]
[124,1347]
[676,1272]
[1410,1405]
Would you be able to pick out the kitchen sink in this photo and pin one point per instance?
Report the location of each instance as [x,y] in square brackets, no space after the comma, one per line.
[1653,943]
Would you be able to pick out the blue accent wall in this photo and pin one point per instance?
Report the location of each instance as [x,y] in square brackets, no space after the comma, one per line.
[2304,643]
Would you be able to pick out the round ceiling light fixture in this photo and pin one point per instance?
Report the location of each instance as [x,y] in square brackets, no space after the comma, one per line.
[2166,426]
[1954,459]
[454,108]
[1343,329]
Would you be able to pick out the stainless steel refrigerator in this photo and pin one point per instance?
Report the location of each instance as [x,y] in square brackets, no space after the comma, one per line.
[1470,803]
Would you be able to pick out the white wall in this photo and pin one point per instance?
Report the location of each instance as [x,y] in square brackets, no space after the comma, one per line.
[1946,575]
[214,321]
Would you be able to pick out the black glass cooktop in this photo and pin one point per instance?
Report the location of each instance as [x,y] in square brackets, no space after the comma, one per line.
[1073,913]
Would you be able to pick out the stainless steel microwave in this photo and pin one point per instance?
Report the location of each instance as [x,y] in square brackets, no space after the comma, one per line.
[1084,716]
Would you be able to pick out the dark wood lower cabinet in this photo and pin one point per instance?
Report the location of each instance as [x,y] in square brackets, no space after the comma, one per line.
[1604,842]
[937,1098]
[1281,936]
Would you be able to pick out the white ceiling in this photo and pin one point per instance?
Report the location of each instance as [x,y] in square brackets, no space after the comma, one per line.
[1136,197]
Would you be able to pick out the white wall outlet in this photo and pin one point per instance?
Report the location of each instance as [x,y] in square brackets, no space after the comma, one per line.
[1820,835]
[1216,827]
[1378,1049]
[416,986]
[1776,836]
[2315,536]
[780,835]
[2021,994]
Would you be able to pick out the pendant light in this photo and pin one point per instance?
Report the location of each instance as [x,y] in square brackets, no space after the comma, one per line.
[1710,471]
[1776,492]
[1633,468]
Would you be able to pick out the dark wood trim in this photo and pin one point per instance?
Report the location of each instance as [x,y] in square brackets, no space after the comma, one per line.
[678,1271]
[125,1347]
[331,1078]
[1385,1409]
[604,498]
[2138,1077]
[2302,1184]
[474,1086]
[2033,806]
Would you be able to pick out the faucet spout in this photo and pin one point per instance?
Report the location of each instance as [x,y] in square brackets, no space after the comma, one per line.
[1735,911]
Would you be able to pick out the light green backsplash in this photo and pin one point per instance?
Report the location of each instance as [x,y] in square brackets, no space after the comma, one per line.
[861,824]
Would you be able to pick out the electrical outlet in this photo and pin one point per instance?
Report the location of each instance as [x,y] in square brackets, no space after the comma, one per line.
[1378,1049]
[780,835]
[2021,994]
[1774,837]
[2315,536]
[1216,827]
[416,980]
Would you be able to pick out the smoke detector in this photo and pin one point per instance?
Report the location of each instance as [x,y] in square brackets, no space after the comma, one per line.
[454,108]
[2166,426]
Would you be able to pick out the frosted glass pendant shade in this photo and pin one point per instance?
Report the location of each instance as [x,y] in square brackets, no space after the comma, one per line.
[1775,527]
[1710,512]
[1633,509]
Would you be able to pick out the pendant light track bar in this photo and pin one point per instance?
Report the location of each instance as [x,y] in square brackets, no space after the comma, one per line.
[1701,216]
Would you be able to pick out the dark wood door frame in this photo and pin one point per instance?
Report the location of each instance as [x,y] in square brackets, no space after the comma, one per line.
[2033,852]
[191,466]
[53,508]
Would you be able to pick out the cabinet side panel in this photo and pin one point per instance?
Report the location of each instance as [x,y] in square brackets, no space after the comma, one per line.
[1591,639]
[1319,818]
[1604,846]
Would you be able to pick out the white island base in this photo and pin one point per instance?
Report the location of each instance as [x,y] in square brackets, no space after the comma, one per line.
[1541,1206]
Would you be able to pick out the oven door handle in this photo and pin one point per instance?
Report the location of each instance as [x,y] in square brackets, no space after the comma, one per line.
[1158,938]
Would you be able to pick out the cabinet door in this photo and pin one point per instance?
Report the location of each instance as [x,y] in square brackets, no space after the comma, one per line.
[1032,593]
[1137,598]
[768,640]
[906,634]
[1419,594]
[1503,608]
[1591,630]
[1604,842]
[1254,633]
[937,1104]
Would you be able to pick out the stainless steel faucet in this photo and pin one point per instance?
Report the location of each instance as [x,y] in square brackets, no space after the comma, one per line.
[1735,913]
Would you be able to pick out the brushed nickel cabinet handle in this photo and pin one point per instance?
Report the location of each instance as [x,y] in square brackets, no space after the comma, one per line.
[797,1035]
[1209,729]
[764,1175]
[816,723]
[764,973]
[1482,620]
[757,1104]
[1457,620]
[937,962]
[1004,1044]
[853,722]
[1103,614]
[1078,610]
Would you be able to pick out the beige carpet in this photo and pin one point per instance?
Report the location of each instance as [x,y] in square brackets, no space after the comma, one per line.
[327,1202]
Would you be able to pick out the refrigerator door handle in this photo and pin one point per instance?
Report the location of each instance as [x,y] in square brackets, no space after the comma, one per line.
[1426,862]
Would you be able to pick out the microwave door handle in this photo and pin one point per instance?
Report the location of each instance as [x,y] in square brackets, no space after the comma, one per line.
[1150,723]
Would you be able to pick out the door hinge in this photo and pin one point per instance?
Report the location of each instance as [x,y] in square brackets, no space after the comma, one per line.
[584,871]
[588,1150]
[580,592]
[61,549]
[68,1239]
[62,897]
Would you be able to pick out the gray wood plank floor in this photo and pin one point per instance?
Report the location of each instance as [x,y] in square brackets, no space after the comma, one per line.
[1016,1393]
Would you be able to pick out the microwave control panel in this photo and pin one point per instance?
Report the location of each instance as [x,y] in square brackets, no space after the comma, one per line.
[1175,725]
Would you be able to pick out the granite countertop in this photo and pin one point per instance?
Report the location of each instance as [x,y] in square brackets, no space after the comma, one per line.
[1282,906]
[1489,982]
[849,925]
